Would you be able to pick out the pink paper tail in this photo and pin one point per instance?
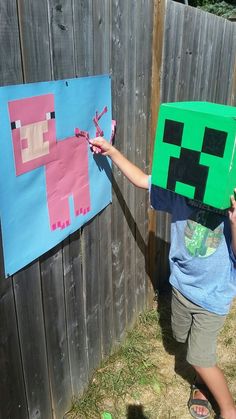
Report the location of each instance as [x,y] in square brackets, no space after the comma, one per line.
[80,133]
[99,132]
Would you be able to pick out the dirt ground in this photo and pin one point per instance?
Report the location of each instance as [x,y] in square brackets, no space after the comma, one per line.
[149,378]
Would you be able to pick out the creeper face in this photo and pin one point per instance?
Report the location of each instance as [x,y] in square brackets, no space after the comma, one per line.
[194,152]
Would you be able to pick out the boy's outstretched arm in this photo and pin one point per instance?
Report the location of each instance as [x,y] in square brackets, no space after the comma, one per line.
[130,170]
[232,218]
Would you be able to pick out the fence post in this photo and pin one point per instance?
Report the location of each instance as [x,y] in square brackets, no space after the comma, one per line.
[157,46]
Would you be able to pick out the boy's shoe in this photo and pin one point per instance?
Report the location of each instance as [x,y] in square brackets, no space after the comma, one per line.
[193,401]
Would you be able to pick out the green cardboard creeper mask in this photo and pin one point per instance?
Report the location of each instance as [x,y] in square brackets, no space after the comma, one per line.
[194,152]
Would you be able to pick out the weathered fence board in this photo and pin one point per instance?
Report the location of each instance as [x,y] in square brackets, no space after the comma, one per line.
[144,31]
[140,155]
[10,64]
[55,330]
[83,37]
[159,14]
[130,51]
[13,401]
[118,269]
[32,341]
[62,38]
[75,313]
[232,88]
[106,291]
[35,40]
[90,250]
[187,37]
[226,66]
[102,60]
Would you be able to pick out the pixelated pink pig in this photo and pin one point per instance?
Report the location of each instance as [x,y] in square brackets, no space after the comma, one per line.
[66,161]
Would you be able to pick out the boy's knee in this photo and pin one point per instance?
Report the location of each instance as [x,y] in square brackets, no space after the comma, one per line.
[200,369]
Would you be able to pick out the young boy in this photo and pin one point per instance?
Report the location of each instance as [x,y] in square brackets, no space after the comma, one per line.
[202,264]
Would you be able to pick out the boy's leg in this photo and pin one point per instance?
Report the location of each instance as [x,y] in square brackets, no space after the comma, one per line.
[202,328]
[181,321]
[214,379]
[202,356]
[181,318]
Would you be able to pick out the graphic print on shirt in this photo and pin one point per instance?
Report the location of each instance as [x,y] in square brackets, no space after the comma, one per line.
[203,234]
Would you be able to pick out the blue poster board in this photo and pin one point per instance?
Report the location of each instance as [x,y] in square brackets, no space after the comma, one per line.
[50,181]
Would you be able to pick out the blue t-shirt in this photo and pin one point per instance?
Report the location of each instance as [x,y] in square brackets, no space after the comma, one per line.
[202,263]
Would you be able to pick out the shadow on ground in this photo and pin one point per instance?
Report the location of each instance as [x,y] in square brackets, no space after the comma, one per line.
[135,412]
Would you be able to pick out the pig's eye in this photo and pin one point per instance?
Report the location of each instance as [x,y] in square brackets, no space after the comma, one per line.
[50,115]
[15,124]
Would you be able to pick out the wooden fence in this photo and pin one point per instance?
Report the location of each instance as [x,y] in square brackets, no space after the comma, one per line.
[66,311]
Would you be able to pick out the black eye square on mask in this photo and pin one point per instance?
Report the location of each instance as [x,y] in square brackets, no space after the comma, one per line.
[214,142]
[173,132]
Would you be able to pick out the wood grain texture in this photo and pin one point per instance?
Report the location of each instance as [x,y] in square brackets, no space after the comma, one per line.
[91,273]
[55,330]
[28,295]
[130,53]
[74,284]
[13,400]
[156,85]
[35,40]
[61,26]
[10,63]
[83,37]
[118,22]
[102,64]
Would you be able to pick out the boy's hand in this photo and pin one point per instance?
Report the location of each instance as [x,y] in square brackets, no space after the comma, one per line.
[232,210]
[100,146]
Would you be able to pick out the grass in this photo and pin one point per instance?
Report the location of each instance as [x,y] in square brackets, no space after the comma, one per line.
[148,377]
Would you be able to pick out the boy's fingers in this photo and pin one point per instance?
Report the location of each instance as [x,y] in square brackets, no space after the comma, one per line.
[232,197]
[233,202]
[96,149]
[94,141]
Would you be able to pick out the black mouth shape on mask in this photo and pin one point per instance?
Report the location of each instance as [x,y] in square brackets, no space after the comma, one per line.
[187,170]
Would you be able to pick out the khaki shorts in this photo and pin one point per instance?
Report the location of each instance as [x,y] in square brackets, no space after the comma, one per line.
[198,327]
